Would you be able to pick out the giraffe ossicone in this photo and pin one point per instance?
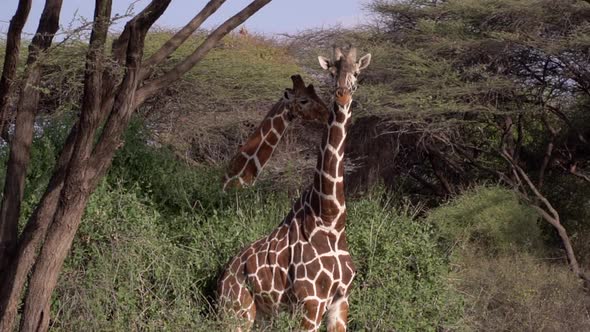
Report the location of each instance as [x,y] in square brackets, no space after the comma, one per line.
[299,102]
[304,263]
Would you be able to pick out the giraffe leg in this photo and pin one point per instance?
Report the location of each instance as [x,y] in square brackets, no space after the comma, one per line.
[237,304]
[313,311]
[338,315]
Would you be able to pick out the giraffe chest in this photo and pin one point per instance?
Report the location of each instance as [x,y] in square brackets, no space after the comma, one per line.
[286,267]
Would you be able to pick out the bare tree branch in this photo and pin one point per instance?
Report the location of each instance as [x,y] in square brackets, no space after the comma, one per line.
[548,150]
[552,216]
[179,38]
[573,170]
[153,86]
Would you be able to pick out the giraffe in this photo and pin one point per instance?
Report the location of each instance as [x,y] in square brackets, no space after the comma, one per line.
[298,102]
[304,263]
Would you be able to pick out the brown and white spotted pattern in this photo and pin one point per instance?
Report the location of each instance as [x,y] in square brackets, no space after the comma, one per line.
[299,102]
[304,264]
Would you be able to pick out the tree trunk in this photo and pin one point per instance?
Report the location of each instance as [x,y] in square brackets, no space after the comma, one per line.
[567,244]
[21,143]
[550,214]
[10,63]
[34,233]
[59,239]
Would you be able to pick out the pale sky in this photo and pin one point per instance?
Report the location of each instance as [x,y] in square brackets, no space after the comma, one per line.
[278,16]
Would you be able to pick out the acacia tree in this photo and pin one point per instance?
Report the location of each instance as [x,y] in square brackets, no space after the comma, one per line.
[489,90]
[114,86]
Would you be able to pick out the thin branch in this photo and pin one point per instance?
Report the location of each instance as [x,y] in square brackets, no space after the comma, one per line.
[179,38]
[552,217]
[175,73]
[579,174]
[548,150]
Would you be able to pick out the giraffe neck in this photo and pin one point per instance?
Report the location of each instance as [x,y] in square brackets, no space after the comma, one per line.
[253,155]
[327,197]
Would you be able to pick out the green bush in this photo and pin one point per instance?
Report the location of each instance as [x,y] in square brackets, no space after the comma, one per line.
[498,264]
[132,268]
[135,267]
[124,273]
[173,185]
[492,217]
[402,282]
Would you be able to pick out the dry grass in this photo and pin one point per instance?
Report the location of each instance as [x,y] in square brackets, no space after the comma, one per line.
[521,293]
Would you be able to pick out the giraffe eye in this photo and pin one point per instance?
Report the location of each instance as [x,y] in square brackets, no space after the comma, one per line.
[304,101]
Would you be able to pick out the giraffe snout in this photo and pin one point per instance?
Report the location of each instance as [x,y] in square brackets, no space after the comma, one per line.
[343,96]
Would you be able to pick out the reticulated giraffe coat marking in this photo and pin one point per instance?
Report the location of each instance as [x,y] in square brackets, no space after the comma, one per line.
[304,262]
[252,156]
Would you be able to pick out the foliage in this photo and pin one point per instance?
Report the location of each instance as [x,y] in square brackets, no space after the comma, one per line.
[444,77]
[491,217]
[495,246]
[402,281]
[242,69]
[173,185]
[135,265]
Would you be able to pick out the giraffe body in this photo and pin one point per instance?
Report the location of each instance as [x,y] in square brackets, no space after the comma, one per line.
[291,266]
[304,264]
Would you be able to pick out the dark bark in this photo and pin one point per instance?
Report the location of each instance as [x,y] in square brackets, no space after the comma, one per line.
[438,172]
[11,55]
[82,176]
[31,238]
[75,193]
[21,143]
[548,152]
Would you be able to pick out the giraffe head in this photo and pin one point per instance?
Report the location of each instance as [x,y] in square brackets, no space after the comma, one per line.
[344,69]
[304,103]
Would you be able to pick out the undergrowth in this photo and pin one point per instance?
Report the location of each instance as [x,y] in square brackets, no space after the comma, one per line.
[157,232]
[148,254]
[509,280]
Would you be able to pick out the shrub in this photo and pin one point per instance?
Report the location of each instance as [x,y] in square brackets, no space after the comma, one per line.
[131,268]
[496,245]
[402,281]
[134,268]
[492,217]
[174,186]
[124,273]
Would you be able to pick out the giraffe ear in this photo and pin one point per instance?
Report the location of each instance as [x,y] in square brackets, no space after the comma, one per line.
[324,62]
[364,61]
[288,94]
[298,83]
[310,89]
